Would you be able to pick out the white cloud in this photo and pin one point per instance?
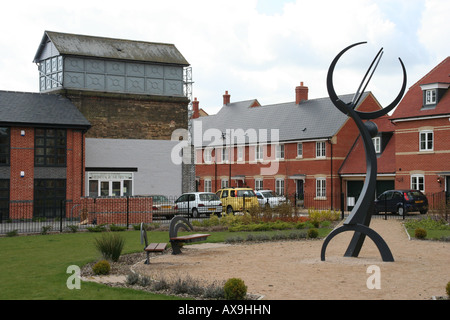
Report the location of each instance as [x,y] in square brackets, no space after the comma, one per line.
[240,46]
[434,33]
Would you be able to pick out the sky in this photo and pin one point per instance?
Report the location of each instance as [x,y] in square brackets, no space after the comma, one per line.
[254,49]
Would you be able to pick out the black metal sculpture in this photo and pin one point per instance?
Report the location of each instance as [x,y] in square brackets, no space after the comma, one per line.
[359,218]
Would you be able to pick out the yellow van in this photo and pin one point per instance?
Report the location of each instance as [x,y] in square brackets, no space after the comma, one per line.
[233,199]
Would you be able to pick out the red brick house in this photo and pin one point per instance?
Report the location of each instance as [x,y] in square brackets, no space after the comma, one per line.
[42,141]
[353,170]
[294,148]
[422,134]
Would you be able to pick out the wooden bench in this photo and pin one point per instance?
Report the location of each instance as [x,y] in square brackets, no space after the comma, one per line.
[176,241]
[152,247]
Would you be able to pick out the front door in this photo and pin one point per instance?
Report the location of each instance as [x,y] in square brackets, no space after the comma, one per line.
[4,199]
[299,189]
[447,193]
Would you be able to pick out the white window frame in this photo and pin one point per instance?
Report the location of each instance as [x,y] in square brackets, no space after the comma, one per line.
[424,138]
[300,150]
[259,152]
[224,183]
[208,185]
[416,184]
[110,178]
[430,96]
[321,149]
[259,184]
[321,188]
[207,155]
[240,153]
[279,187]
[224,156]
[377,144]
[279,151]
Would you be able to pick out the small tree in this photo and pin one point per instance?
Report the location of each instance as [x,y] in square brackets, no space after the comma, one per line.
[235,289]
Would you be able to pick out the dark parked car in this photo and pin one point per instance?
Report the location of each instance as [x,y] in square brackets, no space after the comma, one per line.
[401,202]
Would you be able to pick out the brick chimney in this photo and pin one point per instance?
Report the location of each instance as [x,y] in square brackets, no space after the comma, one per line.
[196,113]
[301,93]
[226,98]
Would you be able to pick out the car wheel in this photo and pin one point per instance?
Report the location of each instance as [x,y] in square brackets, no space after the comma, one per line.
[423,211]
[229,210]
[400,211]
[195,213]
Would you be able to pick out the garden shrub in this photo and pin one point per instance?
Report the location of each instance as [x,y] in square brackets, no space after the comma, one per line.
[235,289]
[323,215]
[13,233]
[214,291]
[110,246]
[313,233]
[187,285]
[420,233]
[428,223]
[46,229]
[98,228]
[114,227]
[72,228]
[132,278]
[144,281]
[101,268]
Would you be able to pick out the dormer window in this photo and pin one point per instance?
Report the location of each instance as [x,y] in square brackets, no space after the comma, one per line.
[377,144]
[432,93]
[430,97]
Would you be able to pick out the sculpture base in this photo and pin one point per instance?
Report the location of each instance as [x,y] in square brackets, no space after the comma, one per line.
[385,252]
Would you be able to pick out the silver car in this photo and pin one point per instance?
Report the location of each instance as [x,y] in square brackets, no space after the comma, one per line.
[162,206]
[269,198]
[196,203]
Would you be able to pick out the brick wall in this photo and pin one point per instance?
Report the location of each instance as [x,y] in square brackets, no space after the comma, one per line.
[75,164]
[126,116]
[22,159]
[133,210]
[410,160]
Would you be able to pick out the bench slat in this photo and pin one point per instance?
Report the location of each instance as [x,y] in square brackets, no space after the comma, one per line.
[161,247]
[190,237]
[156,247]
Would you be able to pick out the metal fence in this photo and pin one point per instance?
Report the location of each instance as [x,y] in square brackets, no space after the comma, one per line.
[21,217]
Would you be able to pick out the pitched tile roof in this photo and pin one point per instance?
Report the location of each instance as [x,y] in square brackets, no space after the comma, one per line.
[26,108]
[310,120]
[411,104]
[101,47]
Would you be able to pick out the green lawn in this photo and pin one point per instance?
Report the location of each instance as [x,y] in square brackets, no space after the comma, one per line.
[34,267]
[437,229]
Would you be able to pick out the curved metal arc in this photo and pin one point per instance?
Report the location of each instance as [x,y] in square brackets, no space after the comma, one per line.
[382,246]
[343,107]
[176,223]
[361,208]
[390,107]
